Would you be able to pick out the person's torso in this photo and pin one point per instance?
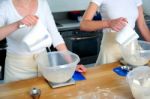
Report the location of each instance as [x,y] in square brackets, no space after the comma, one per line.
[14,40]
[112,9]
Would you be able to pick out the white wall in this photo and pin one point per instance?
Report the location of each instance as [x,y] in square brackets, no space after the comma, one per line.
[1,1]
[68,5]
[146,6]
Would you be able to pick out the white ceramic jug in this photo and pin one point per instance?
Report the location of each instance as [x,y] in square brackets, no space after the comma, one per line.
[126,35]
[38,37]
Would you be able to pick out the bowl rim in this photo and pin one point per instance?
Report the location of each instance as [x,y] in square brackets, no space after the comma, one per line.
[148,43]
[142,42]
[63,66]
[138,68]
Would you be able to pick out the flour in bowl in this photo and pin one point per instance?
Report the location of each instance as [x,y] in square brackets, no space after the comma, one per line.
[141,91]
[58,75]
[132,54]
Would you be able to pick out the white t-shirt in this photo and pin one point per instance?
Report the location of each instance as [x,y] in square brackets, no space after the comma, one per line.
[8,15]
[112,9]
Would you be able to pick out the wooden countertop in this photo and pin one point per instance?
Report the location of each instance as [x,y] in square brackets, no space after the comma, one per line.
[97,78]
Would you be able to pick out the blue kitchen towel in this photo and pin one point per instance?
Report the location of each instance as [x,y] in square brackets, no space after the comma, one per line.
[120,71]
[77,76]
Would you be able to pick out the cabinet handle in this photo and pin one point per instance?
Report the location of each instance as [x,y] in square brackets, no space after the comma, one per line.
[82,38]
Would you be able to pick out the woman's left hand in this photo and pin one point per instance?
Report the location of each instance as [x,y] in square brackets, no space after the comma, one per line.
[81,68]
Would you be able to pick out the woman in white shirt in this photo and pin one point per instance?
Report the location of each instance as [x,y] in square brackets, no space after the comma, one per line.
[21,63]
[115,15]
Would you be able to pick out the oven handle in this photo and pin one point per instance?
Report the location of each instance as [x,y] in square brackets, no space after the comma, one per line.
[82,38]
[2,49]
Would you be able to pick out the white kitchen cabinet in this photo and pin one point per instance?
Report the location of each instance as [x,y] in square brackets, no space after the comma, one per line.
[68,5]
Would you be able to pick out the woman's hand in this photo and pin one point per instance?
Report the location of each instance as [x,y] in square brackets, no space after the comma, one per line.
[81,68]
[117,24]
[29,20]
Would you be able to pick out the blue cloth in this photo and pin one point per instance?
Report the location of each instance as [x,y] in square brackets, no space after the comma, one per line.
[120,71]
[77,76]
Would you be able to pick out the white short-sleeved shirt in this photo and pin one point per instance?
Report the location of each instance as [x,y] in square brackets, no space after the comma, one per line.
[111,9]
[8,15]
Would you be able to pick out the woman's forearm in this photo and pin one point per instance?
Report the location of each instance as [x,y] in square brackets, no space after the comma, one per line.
[88,25]
[6,30]
[61,47]
[144,31]
[142,25]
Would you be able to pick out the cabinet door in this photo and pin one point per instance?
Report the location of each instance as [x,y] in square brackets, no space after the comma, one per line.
[68,5]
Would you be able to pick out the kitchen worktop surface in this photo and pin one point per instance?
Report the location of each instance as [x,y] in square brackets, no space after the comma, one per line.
[97,78]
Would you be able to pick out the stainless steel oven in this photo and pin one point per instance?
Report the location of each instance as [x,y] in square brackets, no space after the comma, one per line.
[85,44]
[3,46]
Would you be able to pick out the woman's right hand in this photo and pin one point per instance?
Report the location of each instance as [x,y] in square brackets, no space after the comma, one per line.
[29,20]
[118,24]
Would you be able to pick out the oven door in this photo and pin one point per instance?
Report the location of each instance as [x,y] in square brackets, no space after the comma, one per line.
[84,44]
[3,46]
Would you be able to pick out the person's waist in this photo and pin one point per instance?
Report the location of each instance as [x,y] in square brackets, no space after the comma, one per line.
[108,30]
[109,33]
[23,56]
[24,53]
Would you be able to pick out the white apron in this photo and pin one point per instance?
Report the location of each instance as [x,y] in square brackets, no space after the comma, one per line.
[19,67]
[109,49]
